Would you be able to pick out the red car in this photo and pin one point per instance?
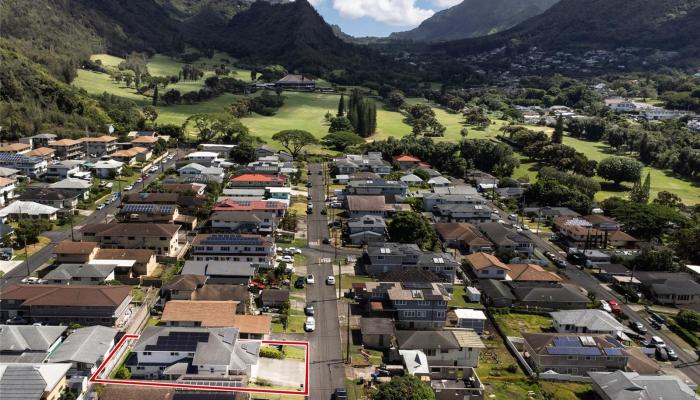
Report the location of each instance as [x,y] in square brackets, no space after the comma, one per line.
[614,306]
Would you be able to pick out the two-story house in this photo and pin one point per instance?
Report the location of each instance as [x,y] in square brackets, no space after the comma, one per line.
[432,200]
[507,239]
[156,213]
[33,381]
[63,169]
[471,213]
[370,162]
[366,229]
[277,208]
[225,272]
[33,167]
[68,149]
[243,222]
[57,198]
[170,352]
[377,187]
[212,174]
[99,146]
[161,238]
[380,258]
[85,349]
[78,187]
[412,305]
[254,249]
[7,190]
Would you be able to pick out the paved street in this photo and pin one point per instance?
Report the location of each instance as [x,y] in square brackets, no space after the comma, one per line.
[327,369]
[39,258]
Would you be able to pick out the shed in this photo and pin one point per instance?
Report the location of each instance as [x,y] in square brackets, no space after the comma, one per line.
[473,294]
[377,333]
[471,319]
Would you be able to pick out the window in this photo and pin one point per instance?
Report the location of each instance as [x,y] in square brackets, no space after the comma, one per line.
[225,248]
[147,353]
[444,351]
[400,302]
[174,353]
[499,272]
[163,238]
[132,237]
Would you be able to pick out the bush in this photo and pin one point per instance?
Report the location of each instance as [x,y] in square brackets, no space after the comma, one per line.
[689,320]
[686,335]
[271,352]
[512,368]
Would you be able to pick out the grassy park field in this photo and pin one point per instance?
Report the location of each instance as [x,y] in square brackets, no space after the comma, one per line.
[307,110]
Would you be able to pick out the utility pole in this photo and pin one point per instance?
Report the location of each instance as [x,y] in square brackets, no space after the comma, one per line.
[347,338]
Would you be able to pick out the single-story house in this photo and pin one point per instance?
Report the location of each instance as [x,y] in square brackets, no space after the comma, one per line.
[487,266]
[377,333]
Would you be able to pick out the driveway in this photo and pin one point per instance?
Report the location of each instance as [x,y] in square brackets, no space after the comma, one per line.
[283,373]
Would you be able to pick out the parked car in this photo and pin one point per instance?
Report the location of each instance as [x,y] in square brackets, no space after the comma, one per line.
[638,327]
[671,354]
[109,185]
[661,354]
[16,320]
[513,217]
[299,283]
[326,241]
[30,280]
[330,280]
[287,259]
[614,306]
[309,310]
[129,187]
[657,318]
[100,206]
[139,180]
[654,341]
[310,279]
[310,324]
[340,394]
[605,306]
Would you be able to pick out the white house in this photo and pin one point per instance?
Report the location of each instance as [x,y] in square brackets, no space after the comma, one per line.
[108,168]
[587,321]
[28,209]
[85,349]
[411,179]
[215,174]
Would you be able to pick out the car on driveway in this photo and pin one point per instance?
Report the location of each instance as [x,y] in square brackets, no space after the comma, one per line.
[330,280]
[100,206]
[310,279]
[605,306]
[310,324]
[309,310]
[287,259]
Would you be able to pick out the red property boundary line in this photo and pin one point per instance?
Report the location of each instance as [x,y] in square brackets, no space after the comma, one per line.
[94,378]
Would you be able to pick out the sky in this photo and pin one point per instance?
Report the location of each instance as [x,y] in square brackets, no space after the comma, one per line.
[378,17]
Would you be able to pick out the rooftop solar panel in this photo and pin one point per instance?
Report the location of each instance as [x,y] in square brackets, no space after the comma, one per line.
[567,341]
[573,351]
[613,351]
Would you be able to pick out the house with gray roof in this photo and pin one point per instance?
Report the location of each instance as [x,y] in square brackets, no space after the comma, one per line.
[587,321]
[85,349]
[243,222]
[28,343]
[376,187]
[621,385]
[411,305]
[673,288]
[81,274]
[449,347]
[411,179]
[173,352]
[432,200]
[465,190]
[380,258]
[507,239]
[366,229]
[470,213]
[32,381]
[223,272]
[80,187]
[370,162]
[215,174]
[439,181]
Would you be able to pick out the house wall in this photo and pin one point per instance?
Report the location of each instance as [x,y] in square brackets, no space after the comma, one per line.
[491,272]
[429,314]
[161,245]
[475,324]
[55,392]
[463,357]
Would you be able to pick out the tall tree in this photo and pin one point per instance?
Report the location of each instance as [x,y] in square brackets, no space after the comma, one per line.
[558,134]
[155,96]
[294,140]
[620,169]
[341,106]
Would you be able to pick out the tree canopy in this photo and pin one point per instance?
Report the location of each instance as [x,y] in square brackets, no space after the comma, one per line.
[294,140]
[412,227]
[620,169]
[341,140]
[406,387]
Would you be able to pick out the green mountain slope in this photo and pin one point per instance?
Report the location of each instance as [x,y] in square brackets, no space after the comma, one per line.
[599,24]
[473,18]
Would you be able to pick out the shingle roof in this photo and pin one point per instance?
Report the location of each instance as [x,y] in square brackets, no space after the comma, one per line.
[68,247]
[71,183]
[69,271]
[222,292]
[366,203]
[185,282]
[20,338]
[420,340]
[29,381]
[461,231]
[208,313]
[138,255]
[549,293]
[253,324]
[85,345]
[482,260]
[531,272]
[592,320]
[377,326]
[620,385]
[132,229]
[67,295]
[220,268]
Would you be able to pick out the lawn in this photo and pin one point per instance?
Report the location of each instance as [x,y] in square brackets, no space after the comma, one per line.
[177,114]
[107,60]
[96,83]
[21,255]
[347,280]
[294,352]
[460,300]
[296,323]
[356,358]
[514,324]
[501,374]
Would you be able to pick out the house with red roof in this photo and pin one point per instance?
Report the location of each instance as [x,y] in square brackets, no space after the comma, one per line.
[251,206]
[408,162]
[258,180]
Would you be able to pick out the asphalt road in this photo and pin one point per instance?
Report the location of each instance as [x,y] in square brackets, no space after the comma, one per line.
[42,256]
[326,359]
